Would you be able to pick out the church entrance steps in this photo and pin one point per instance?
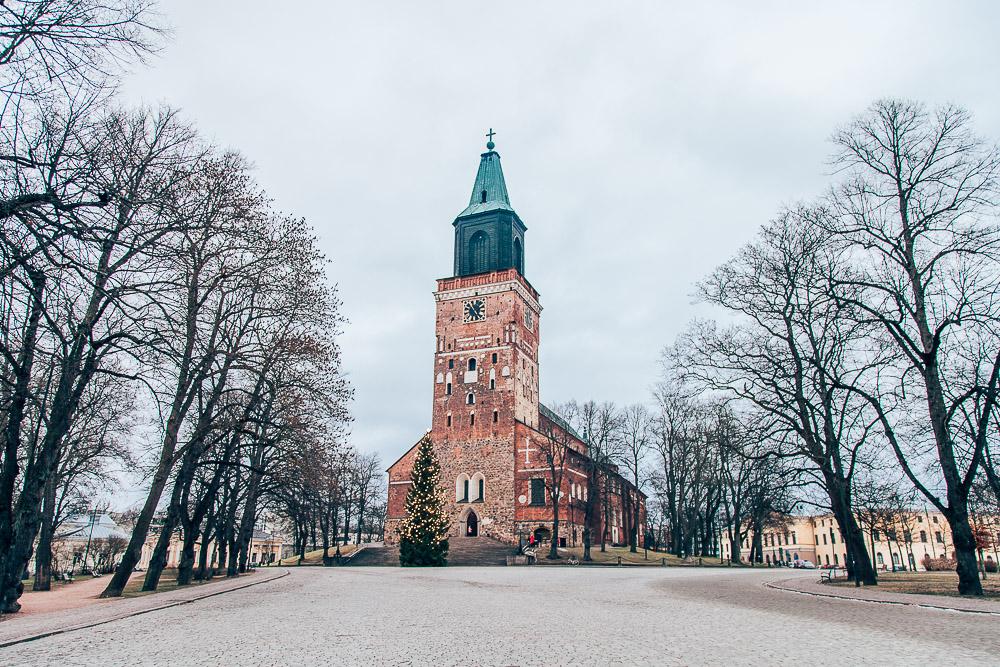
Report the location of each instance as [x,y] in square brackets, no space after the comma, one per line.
[477,551]
[461,551]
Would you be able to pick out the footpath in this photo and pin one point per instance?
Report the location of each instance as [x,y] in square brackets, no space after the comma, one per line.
[809,586]
[74,608]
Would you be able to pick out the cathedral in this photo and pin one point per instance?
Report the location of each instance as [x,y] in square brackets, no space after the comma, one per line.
[490,433]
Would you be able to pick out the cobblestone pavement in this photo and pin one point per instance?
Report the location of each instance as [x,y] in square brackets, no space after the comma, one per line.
[81,611]
[524,616]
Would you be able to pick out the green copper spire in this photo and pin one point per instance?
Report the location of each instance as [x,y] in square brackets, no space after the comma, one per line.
[490,191]
[489,236]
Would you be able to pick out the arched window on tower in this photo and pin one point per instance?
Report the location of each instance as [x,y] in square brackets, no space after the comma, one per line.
[462,488]
[518,256]
[470,399]
[478,484]
[479,252]
[482,197]
[472,364]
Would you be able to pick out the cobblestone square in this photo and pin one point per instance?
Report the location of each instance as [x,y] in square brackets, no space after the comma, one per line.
[524,616]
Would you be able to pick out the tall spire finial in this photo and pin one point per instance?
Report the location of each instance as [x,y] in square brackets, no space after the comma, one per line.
[489,144]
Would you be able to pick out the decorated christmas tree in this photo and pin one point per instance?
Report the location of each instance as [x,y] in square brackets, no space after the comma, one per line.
[423,533]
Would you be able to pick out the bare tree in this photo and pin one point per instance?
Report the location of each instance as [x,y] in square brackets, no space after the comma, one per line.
[636,430]
[600,425]
[916,216]
[557,447]
[790,356]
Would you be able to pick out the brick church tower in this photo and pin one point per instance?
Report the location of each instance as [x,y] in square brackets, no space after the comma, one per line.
[485,370]
[486,420]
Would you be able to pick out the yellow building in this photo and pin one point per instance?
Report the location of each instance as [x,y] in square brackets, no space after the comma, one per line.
[903,544]
[264,548]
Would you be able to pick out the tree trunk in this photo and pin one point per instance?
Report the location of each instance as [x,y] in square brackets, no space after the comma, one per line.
[14,420]
[859,565]
[43,552]
[133,552]
[965,546]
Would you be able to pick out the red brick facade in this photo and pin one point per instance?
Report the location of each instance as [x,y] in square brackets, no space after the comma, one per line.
[487,428]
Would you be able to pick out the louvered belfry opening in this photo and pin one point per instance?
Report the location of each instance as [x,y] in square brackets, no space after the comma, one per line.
[479,253]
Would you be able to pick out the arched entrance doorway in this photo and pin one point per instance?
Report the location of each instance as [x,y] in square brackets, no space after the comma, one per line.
[472,525]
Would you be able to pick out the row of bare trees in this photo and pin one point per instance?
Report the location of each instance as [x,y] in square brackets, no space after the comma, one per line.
[144,276]
[329,496]
[706,472]
[863,330]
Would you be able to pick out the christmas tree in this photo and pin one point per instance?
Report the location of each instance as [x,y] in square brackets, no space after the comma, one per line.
[424,532]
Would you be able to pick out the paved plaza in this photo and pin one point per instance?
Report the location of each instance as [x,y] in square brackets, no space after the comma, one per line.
[524,616]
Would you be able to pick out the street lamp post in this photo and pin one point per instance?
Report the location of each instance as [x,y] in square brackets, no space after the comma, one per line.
[93,520]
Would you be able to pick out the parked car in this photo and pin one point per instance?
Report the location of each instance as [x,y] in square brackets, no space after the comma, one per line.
[806,565]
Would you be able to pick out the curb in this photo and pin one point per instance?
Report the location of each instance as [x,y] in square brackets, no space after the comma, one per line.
[167,605]
[902,603]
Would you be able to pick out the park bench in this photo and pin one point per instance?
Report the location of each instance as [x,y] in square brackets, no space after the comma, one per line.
[828,575]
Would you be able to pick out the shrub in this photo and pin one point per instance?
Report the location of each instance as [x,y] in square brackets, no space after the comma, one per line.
[939,564]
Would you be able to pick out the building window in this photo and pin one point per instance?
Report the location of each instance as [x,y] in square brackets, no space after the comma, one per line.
[470,399]
[472,419]
[923,535]
[496,416]
[472,364]
[537,491]
[494,357]
[835,560]
[462,489]
[493,383]
[878,557]
[824,538]
[937,537]
[876,536]
[907,537]
[482,197]
[479,252]
[449,421]
[795,541]
[451,363]
[447,389]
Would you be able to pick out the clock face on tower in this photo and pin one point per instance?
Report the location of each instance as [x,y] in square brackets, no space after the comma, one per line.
[475,310]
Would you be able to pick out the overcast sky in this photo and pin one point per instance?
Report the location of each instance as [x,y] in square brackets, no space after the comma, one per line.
[642,144]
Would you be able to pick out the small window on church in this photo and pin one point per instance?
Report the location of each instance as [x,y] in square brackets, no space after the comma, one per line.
[447,389]
[449,421]
[482,197]
[472,364]
[538,491]
[451,362]
[496,416]
[472,419]
[493,383]
[494,357]
[470,399]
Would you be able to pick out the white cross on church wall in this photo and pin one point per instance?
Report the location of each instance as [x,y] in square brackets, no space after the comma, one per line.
[527,448]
